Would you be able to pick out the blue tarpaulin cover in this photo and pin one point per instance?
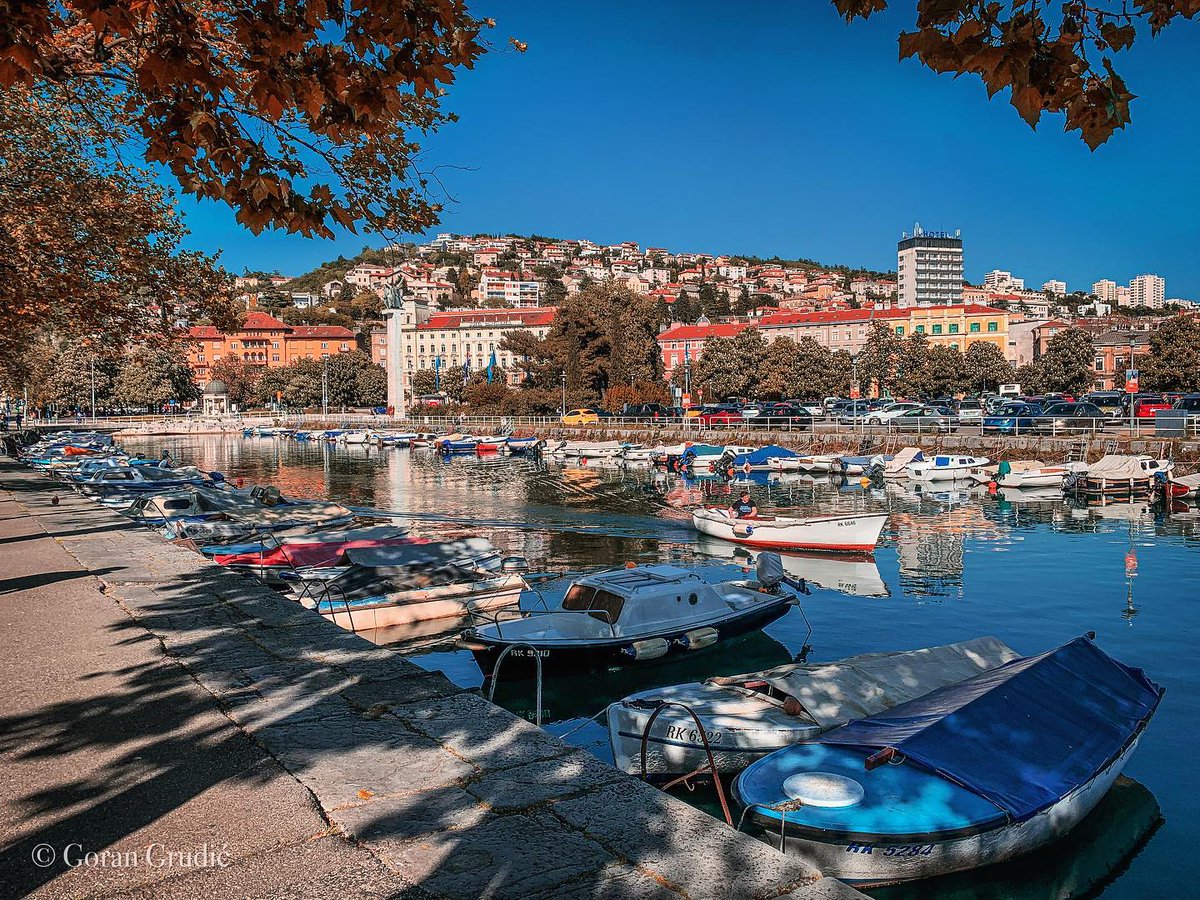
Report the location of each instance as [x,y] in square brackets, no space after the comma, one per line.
[1023,735]
[761,455]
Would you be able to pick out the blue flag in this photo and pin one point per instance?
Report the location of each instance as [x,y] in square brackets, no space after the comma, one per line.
[491,366]
[437,373]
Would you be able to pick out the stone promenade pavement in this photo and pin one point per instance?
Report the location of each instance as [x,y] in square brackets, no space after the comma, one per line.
[168,729]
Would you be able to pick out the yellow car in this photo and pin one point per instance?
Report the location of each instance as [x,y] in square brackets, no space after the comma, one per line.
[581,417]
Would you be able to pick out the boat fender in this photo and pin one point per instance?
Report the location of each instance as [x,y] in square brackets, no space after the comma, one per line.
[743,530]
[651,648]
[793,707]
[698,638]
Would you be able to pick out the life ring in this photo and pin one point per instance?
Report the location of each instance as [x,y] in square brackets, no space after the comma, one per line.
[746,468]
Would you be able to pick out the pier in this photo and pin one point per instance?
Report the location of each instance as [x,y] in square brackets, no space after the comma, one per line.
[175,730]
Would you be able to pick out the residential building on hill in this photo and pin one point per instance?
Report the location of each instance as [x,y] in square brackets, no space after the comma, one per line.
[1148,290]
[266,341]
[454,342]
[511,288]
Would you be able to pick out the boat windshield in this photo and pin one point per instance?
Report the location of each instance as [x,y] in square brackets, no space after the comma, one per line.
[600,604]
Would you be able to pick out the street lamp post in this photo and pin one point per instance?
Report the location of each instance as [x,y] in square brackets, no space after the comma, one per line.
[563,377]
[325,387]
[1132,394]
[92,363]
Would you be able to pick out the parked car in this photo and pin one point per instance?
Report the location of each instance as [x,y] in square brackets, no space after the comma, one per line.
[721,415]
[1012,418]
[1059,418]
[645,411]
[854,413]
[753,410]
[791,414]
[1144,405]
[1109,401]
[923,418]
[581,417]
[970,411]
[1190,403]
[891,411]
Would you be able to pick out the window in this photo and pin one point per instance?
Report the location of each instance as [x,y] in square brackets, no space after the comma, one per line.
[920,329]
[345,346]
[274,357]
[233,345]
[937,329]
[993,326]
[900,330]
[954,328]
[974,328]
[1099,363]
[324,345]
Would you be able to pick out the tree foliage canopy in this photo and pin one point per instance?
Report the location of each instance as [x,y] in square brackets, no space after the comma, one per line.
[1173,363]
[299,115]
[1051,57]
[88,246]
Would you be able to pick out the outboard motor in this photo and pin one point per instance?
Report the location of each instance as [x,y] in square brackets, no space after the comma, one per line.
[770,574]
[769,571]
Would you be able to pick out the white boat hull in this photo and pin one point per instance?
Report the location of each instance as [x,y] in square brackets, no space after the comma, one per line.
[844,534]
[740,730]
[445,602]
[871,862]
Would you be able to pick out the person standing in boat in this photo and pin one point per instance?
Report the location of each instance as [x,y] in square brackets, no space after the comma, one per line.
[743,507]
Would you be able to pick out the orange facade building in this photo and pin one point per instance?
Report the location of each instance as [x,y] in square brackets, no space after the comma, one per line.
[265,341]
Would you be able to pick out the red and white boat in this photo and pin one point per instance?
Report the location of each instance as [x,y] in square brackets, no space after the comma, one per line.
[850,533]
[316,550]
[493,444]
[1183,486]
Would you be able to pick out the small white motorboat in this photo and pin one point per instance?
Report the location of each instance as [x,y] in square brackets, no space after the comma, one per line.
[944,467]
[1042,477]
[603,449]
[708,457]
[636,453]
[818,463]
[629,615]
[745,717]
[968,775]
[523,444]
[359,437]
[847,533]
[897,466]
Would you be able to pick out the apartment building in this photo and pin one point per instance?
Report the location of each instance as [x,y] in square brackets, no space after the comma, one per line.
[265,341]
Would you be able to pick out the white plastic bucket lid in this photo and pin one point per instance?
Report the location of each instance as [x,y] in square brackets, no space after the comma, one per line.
[823,789]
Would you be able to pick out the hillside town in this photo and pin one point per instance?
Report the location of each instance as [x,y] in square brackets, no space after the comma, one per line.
[453,303]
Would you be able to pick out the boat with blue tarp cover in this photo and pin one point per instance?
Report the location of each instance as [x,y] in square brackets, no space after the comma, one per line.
[967,775]
[758,460]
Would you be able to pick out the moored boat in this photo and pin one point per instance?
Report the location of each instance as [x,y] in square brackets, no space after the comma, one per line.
[746,717]
[845,533]
[1042,476]
[968,775]
[945,467]
[625,616]
[1118,475]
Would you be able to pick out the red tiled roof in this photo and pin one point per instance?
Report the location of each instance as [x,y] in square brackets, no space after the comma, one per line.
[255,321]
[336,332]
[530,316]
[699,332]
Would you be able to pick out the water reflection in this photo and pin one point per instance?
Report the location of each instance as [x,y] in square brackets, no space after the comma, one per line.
[956,562]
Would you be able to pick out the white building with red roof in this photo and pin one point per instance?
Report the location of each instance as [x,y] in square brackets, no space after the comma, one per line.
[453,343]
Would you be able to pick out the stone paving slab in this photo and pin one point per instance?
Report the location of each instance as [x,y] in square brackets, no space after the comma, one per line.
[449,796]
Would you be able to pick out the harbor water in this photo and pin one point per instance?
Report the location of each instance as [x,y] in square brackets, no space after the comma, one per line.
[953,563]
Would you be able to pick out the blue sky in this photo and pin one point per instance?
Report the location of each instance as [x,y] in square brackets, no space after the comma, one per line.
[773,128]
